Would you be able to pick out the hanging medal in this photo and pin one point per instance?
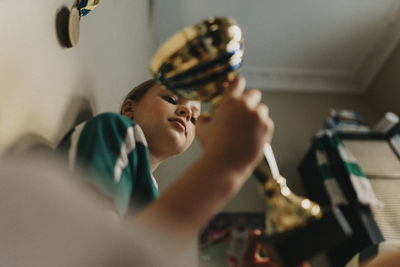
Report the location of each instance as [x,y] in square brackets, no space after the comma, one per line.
[82,8]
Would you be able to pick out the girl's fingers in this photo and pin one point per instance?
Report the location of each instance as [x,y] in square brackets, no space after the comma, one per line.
[264,110]
[252,97]
[236,88]
[253,246]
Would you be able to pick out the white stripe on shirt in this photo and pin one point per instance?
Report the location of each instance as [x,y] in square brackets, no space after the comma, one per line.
[133,135]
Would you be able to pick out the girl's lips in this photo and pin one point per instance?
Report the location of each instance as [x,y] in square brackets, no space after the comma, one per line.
[179,123]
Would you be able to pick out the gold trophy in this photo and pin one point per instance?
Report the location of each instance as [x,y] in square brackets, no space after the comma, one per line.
[198,63]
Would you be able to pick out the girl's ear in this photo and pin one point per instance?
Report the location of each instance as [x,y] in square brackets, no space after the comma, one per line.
[128,108]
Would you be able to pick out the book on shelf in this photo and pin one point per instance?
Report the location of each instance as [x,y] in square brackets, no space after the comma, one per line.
[347,122]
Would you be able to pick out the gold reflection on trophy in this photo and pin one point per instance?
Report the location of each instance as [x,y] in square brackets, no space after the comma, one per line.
[284,209]
[198,63]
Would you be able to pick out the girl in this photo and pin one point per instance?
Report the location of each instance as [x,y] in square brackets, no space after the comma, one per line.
[119,152]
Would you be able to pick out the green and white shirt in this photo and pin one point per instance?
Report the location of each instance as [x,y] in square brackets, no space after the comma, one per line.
[112,150]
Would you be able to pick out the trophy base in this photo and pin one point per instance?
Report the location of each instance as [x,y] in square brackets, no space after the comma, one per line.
[292,247]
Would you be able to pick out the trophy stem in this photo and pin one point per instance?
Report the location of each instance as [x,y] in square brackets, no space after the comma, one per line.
[270,158]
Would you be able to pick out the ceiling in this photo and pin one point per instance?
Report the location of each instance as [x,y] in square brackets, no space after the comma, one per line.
[302,45]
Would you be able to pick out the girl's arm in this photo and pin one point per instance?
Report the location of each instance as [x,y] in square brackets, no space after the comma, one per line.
[233,141]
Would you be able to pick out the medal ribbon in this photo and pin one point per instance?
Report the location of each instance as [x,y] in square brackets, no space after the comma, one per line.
[85,6]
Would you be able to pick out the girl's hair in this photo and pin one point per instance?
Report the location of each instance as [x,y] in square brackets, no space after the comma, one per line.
[139,91]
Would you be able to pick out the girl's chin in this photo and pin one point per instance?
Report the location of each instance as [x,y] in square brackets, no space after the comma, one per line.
[177,143]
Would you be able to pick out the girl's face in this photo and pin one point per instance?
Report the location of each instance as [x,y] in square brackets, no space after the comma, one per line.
[168,121]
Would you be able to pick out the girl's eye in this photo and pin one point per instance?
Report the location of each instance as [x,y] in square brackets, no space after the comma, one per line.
[170,99]
[193,120]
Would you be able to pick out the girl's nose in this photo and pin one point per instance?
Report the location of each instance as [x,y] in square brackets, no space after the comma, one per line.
[183,111]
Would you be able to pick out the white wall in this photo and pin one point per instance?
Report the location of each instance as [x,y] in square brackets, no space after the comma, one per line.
[384,92]
[44,85]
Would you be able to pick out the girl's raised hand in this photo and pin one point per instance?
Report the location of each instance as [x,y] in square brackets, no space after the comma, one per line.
[239,128]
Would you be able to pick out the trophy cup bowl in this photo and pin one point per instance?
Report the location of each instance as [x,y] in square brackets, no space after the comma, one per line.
[198,63]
